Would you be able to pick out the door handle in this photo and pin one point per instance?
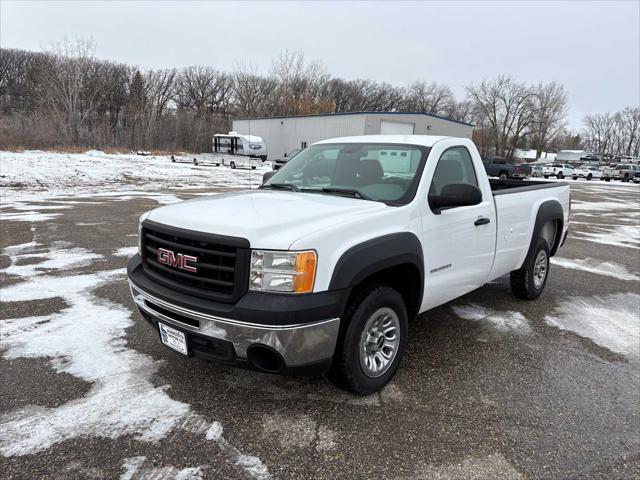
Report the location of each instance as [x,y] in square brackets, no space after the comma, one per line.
[481,221]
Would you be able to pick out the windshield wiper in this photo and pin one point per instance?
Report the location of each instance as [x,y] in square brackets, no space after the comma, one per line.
[283,186]
[348,191]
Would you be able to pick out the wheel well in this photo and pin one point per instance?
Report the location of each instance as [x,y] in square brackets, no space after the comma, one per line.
[404,278]
[552,233]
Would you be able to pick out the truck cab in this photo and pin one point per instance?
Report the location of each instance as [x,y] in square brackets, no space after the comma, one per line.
[321,268]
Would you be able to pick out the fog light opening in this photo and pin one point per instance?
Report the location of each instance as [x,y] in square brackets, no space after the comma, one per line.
[265,359]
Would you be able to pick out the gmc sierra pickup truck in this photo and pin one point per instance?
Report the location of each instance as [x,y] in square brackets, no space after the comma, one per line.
[321,268]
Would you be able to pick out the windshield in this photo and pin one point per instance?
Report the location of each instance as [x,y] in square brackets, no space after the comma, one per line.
[380,172]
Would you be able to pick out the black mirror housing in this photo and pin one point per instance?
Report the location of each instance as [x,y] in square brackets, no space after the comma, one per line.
[455,195]
[267,176]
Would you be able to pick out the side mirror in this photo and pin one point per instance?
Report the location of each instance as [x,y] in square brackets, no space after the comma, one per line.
[267,176]
[455,195]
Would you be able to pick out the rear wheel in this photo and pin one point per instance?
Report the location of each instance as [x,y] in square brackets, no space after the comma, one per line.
[253,167]
[232,165]
[574,177]
[373,341]
[529,281]
[195,161]
[504,175]
[173,159]
[560,176]
[546,176]
[589,176]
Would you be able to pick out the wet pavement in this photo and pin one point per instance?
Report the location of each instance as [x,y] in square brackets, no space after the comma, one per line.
[491,387]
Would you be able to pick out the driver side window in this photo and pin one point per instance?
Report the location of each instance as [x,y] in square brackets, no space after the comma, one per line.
[454,166]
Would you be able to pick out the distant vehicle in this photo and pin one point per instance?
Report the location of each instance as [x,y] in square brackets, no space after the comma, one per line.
[498,167]
[536,170]
[558,170]
[587,172]
[285,158]
[245,147]
[627,172]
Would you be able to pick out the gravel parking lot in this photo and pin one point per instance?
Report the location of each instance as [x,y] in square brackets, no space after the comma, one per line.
[492,387]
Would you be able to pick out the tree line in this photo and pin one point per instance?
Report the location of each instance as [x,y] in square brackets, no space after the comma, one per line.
[67,97]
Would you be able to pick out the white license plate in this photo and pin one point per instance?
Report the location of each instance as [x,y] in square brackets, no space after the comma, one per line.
[173,338]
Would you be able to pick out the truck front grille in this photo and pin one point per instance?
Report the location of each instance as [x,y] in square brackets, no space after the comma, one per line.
[221,265]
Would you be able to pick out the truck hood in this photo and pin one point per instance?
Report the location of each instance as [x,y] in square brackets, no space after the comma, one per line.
[267,218]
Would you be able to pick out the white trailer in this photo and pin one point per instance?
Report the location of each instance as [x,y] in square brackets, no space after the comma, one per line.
[231,150]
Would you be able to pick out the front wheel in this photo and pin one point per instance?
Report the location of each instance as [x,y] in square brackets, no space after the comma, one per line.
[195,161]
[529,281]
[560,176]
[503,176]
[546,176]
[253,167]
[233,165]
[575,178]
[589,177]
[373,342]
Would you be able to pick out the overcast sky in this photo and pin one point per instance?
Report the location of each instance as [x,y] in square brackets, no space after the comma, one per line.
[591,47]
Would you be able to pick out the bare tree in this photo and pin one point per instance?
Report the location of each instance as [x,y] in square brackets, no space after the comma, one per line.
[427,97]
[72,86]
[507,108]
[599,130]
[549,104]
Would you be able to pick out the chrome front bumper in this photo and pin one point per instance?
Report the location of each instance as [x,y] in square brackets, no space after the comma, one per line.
[297,344]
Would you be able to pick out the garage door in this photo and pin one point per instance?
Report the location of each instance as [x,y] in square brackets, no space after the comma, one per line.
[396,128]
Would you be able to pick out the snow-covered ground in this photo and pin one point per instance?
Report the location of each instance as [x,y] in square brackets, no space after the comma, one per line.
[29,174]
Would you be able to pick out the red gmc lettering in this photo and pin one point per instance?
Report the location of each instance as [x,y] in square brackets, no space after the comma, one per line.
[176,260]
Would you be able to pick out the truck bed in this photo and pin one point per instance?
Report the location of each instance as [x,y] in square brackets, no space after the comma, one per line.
[504,187]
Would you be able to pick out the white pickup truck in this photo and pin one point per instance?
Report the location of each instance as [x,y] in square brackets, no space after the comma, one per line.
[321,268]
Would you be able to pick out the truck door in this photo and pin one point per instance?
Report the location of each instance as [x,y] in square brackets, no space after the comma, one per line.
[458,243]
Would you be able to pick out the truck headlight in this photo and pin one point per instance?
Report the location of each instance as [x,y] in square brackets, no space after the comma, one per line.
[277,271]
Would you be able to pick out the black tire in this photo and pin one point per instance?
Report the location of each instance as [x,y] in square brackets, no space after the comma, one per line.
[560,176]
[626,178]
[522,280]
[253,167]
[346,370]
[195,161]
[173,159]
[607,179]
[504,176]
[546,176]
[575,178]
[233,165]
[589,176]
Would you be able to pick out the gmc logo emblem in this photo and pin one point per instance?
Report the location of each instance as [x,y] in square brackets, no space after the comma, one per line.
[176,260]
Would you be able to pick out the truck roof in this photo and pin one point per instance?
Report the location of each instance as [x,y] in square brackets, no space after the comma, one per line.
[423,140]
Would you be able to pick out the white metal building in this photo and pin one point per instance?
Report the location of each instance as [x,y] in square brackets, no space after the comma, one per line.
[283,134]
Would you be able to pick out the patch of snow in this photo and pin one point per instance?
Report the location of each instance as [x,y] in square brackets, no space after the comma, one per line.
[215,432]
[58,259]
[610,269]
[611,321]
[253,466]
[500,321]
[604,206]
[133,471]
[126,251]
[29,216]
[627,236]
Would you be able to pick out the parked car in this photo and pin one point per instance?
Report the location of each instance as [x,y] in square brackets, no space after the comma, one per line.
[558,170]
[285,158]
[627,172]
[322,268]
[587,172]
[498,167]
[536,171]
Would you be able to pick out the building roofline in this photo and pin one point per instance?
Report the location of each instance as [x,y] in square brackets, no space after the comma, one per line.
[358,113]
